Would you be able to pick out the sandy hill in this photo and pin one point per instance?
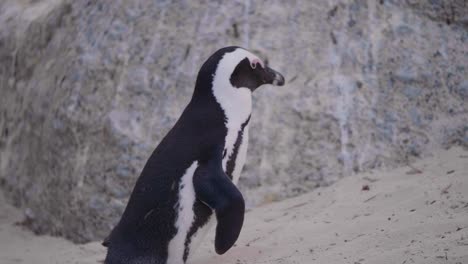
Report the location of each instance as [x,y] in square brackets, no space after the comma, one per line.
[414,214]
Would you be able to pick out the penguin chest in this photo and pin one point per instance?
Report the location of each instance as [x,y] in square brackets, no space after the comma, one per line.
[235,150]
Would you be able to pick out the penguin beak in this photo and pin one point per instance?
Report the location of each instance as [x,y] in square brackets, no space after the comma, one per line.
[273,77]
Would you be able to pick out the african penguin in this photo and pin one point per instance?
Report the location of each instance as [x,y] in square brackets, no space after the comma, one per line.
[191,175]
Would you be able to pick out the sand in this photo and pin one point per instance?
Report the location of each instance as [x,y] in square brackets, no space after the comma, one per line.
[414,214]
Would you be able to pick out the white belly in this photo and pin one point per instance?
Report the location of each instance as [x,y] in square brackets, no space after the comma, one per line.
[198,237]
[185,216]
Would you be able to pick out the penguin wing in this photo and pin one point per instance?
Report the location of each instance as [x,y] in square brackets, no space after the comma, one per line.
[214,188]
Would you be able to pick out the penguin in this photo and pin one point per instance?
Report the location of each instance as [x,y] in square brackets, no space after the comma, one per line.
[189,181]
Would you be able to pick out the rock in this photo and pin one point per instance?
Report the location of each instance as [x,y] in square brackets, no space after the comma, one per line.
[446,11]
[89,88]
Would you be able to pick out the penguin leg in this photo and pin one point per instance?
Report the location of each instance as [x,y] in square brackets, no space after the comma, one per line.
[214,188]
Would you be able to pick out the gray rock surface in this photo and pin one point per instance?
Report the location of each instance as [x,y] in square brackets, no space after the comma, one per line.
[89,88]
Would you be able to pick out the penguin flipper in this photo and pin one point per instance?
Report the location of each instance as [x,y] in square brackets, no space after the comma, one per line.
[214,188]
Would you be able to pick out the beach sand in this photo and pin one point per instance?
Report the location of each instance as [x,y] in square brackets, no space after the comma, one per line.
[413,214]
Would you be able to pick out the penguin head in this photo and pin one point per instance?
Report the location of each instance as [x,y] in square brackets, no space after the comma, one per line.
[250,71]
[239,69]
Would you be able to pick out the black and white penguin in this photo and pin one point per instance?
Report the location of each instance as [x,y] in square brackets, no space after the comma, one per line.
[191,175]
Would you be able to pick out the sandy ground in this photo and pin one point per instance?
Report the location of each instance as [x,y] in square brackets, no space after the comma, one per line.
[415,214]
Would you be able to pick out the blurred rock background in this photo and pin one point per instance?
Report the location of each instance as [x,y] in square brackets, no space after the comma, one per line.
[88,88]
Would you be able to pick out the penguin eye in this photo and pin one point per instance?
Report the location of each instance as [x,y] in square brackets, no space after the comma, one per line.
[254,63]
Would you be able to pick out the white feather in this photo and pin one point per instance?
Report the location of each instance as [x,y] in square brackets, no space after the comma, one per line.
[198,237]
[185,216]
[241,156]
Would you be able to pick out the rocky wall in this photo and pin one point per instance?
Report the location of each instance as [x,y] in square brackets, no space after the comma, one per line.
[89,88]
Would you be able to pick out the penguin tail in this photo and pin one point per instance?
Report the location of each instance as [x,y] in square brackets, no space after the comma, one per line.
[106,241]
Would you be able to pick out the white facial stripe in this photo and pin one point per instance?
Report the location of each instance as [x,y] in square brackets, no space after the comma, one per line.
[185,216]
[235,102]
